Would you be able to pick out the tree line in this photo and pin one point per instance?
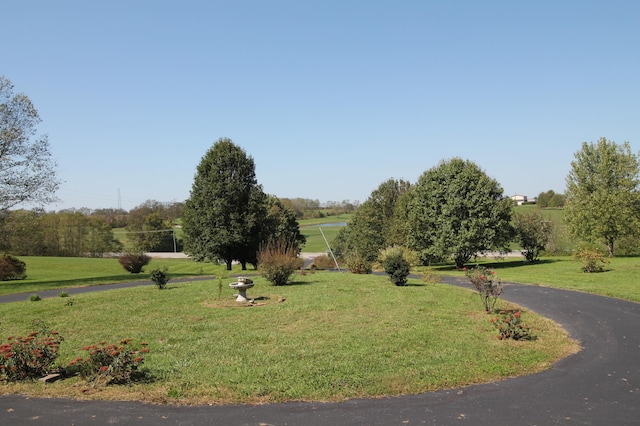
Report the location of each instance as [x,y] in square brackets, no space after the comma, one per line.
[456,211]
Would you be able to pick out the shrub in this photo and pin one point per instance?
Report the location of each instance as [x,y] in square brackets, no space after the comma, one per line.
[35,297]
[278,261]
[110,364]
[323,262]
[63,294]
[592,260]
[134,262]
[358,264]
[159,277]
[398,269]
[12,268]
[29,357]
[489,287]
[510,326]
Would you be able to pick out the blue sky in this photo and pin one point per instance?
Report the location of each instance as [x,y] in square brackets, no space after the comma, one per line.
[330,98]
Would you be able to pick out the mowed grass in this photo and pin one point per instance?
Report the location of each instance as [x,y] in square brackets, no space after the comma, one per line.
[51,273]
[621,278]
[326,337]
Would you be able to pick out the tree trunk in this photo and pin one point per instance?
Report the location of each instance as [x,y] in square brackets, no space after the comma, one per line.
[228,264]
[610,246]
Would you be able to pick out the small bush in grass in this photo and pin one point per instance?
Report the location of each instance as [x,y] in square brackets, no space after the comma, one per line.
[29,357]
[160,278]
[63,294]
[488,285]
[395,264]
[12,268]
[278,261]
[592,260]
[510,326]
[134,262]
[110,363]
[35,297]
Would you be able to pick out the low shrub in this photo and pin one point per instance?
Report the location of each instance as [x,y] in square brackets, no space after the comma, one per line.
[29,357]
[278,261]
[160,278]
[12,268]
[63,294]
[592,260]
[34,297]
[134,262]
[358,264]
[323,262]
[397,267]
[510,326]
[109,363]
[489,287]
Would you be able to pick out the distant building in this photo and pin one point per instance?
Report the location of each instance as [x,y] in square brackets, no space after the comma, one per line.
[519,199]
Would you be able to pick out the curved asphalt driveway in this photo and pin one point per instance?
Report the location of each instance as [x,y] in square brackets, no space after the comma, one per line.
[598,386]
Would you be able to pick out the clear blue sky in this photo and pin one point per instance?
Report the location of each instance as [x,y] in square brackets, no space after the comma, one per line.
[330,98]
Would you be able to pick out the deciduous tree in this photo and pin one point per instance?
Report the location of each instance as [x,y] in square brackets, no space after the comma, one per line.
[457,210]
[603,199]
[27,171]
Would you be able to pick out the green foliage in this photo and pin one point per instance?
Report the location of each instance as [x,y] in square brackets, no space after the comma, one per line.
[456,208]
[603,201]
[134,262]
[35,297]
[532,232]
[63,294]
[278,260]
[372,226]
[110,363]
[29,357]
[226,210]
[160,278]
[592,260]
[397,267]
[489,287]
[509,325]
[12,268]
[550,199]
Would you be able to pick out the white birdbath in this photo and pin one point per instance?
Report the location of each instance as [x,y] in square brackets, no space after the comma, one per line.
[242,285]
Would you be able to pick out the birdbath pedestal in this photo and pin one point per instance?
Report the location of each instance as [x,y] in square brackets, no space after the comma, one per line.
[242,285]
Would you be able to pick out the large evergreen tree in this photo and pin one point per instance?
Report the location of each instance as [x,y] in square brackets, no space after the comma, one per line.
[603,198]
[457,210]
[226,207]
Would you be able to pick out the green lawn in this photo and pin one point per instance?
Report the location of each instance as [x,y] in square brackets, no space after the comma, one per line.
[335,336]
[621,279]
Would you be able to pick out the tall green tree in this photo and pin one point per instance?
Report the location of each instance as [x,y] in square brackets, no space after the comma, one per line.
[457,210]
[372,226]
[225,208]
[27,171]
[603,199]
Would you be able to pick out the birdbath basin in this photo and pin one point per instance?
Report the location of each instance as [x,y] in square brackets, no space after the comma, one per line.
[242,285]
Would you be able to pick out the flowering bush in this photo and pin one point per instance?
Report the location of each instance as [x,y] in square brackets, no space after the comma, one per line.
[110,364]
[488,285]
[510,326]
[29,357]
